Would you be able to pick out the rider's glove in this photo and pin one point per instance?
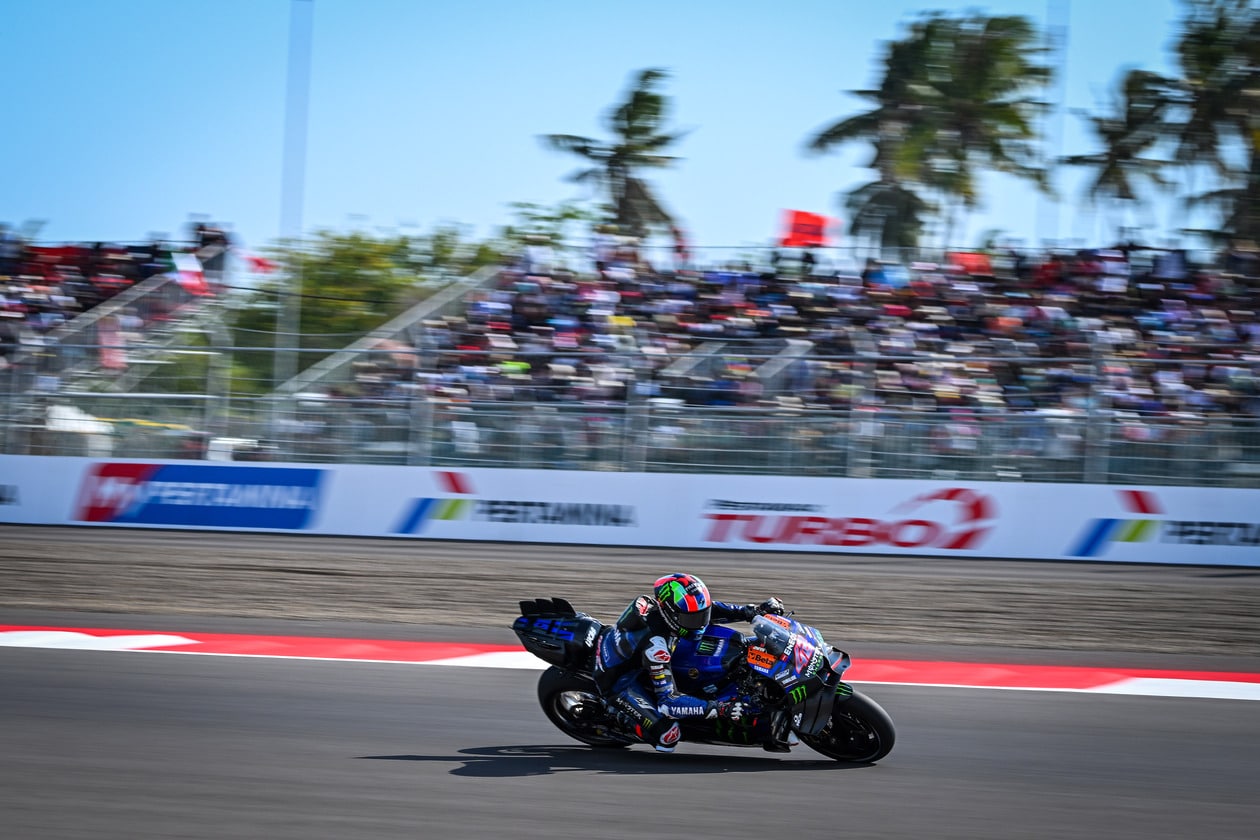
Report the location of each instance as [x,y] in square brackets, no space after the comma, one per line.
[725,710]
[767,607]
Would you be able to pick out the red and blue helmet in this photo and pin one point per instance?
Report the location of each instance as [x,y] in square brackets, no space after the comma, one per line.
[684,603]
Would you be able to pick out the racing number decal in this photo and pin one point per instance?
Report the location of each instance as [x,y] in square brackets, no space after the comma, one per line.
[802,653]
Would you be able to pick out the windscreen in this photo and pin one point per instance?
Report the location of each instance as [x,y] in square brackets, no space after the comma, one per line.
[774,637]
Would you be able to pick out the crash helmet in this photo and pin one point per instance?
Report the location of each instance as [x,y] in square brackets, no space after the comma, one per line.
[684,603]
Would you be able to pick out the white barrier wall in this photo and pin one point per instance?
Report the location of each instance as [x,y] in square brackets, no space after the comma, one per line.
[1207,526]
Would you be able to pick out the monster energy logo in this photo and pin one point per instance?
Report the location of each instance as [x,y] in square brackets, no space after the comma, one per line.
[707,647]
[844,690]
[733,732]
[797,694]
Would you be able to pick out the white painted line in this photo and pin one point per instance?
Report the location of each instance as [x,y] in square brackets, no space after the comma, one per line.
[497,659]
[521,660]
[1208,689]
[82,641]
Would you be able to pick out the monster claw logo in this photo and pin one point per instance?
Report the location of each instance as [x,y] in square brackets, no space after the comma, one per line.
[1102,532]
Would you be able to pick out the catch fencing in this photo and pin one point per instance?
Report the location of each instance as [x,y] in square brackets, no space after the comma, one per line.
[398,408]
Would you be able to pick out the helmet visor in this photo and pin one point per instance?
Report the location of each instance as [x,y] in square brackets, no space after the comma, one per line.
[697,620]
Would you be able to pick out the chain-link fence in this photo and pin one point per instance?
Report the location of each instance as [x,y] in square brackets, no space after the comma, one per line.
[399,405]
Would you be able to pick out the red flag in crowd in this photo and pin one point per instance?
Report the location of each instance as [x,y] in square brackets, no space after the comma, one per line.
[971,263]
[804,230]
[260,265]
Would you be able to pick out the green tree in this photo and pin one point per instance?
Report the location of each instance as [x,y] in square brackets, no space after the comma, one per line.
[1219,97]
[956,97]
[553,225]
[638,142]
[887,213]
[347,284]
[889,209]
[1204,121]
[1129,136]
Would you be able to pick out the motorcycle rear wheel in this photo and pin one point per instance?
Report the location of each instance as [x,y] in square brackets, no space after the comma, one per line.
[859,731]
[572,703]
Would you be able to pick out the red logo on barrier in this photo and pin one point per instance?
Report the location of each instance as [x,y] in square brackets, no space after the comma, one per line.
[109,490]
[973,513]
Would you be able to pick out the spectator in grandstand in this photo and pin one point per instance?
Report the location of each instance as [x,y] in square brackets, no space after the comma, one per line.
[682,250]
[569,332]
[213,246]
[11,247]
[10,336]
[112,343]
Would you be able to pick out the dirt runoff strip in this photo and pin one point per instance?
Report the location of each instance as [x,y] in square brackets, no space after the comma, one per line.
[1064,606]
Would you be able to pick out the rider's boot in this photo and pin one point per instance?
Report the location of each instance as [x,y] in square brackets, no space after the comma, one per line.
[666,735]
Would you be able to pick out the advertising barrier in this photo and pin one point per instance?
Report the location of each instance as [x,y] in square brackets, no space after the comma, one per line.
[1200,526]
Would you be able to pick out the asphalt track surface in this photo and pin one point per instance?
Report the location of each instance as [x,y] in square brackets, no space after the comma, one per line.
[133,745]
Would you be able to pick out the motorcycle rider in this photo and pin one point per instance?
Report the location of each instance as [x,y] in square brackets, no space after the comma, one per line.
[632,658]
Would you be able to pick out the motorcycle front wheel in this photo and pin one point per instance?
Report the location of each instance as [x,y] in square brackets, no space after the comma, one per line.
[572,703]
[859,731]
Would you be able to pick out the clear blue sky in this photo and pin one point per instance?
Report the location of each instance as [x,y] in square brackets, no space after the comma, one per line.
[123,117]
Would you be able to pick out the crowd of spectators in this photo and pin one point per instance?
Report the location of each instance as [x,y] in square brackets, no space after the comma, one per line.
[44,287]
[1150,337]
[1130,330]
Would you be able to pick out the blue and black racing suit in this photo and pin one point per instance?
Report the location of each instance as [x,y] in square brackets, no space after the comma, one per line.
[633,671]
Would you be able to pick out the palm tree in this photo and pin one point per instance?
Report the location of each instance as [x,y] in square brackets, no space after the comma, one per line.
[1219,57]
[887,213]
[638,143]
[955,97]
[1129,136]
[889,209]
[977,104]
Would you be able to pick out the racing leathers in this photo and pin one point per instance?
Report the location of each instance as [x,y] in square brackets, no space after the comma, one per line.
[633,672]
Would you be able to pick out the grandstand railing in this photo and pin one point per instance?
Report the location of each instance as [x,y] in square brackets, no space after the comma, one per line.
[416,418]
[447,301]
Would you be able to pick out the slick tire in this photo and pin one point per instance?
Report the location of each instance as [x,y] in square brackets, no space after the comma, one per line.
[859,731]
[572,703]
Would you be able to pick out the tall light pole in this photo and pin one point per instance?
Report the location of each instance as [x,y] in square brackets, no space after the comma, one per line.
[1058,15]
[293,181]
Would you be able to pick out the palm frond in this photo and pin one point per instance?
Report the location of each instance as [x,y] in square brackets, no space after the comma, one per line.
[583,146]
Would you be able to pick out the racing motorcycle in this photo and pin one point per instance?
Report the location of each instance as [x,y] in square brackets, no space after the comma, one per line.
[785,674]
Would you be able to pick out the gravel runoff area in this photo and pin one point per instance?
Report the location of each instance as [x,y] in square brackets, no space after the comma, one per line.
[896,600]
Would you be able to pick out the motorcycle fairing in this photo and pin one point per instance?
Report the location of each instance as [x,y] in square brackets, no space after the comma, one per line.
[804,666]
[553,631]
[702,667]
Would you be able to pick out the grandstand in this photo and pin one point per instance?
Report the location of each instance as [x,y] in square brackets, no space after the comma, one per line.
[1098,367]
